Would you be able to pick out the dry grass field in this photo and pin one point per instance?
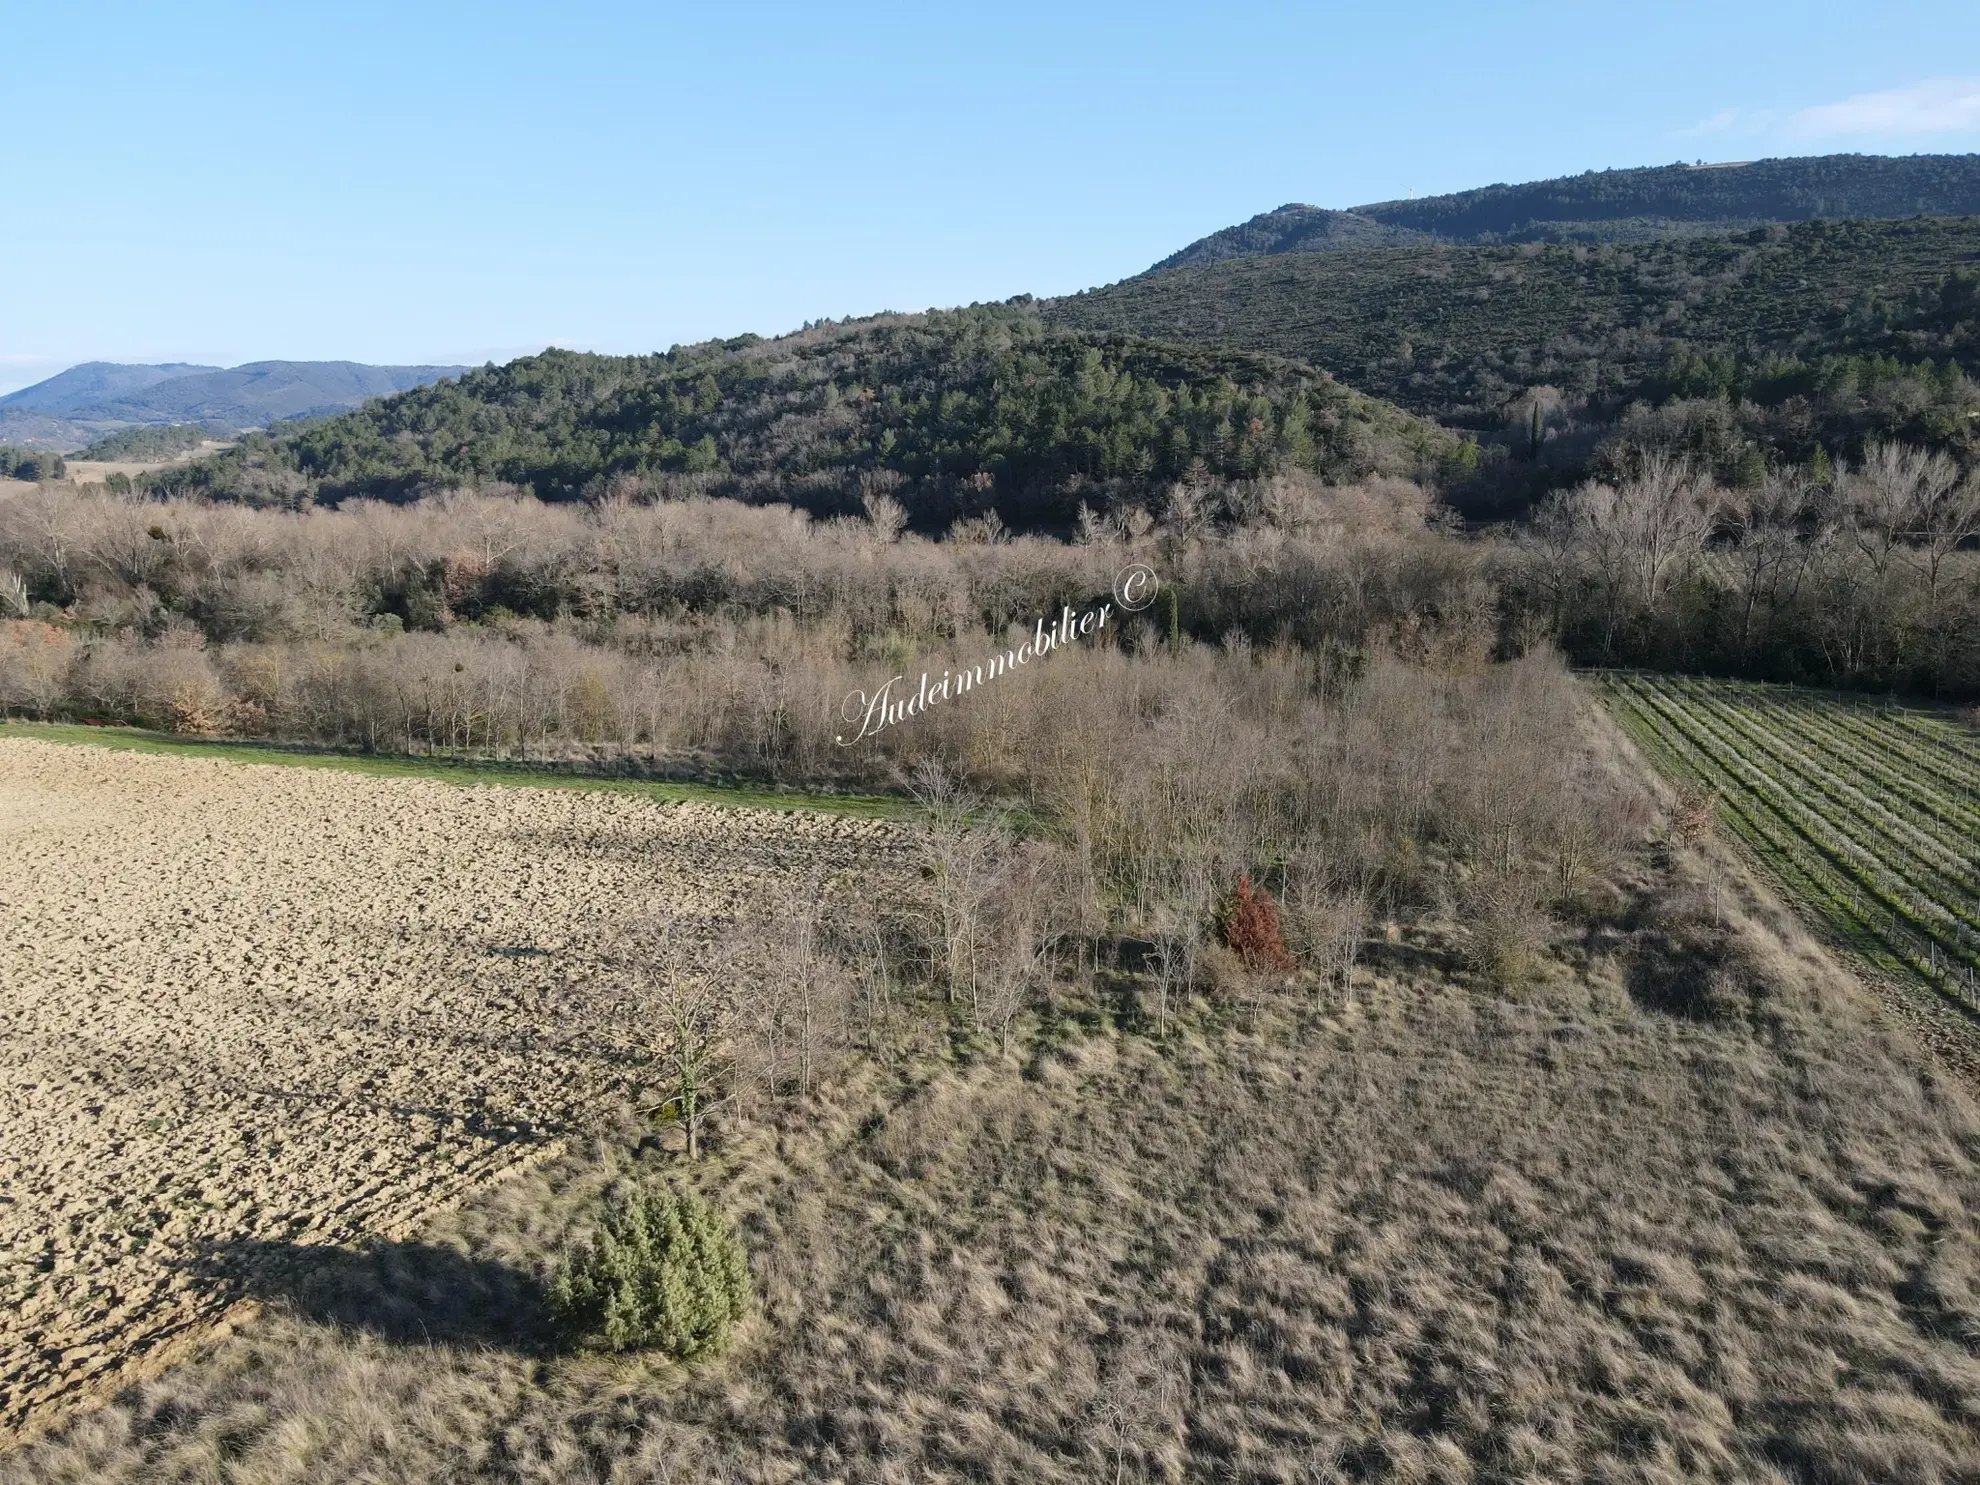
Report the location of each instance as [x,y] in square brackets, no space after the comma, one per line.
[252,1012]
[1680,1206]
[93,471]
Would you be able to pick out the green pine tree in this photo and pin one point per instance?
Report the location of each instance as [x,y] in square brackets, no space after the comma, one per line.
[664,1272]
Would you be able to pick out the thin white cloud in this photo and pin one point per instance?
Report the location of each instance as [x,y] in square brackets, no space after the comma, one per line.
[1946,105]
[1723,122]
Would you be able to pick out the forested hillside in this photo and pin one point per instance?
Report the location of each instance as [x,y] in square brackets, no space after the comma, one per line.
[155,442]
[957,413]
[1292,228]
[1619,206]
[1761,345]
[262,391]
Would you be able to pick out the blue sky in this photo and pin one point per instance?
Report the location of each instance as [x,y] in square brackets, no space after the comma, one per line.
[436,182]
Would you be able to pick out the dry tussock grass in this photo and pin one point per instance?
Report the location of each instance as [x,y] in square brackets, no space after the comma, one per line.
[1597,1230]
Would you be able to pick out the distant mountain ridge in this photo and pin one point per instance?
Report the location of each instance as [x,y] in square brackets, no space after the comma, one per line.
[1293,228]
[94,382]
[1617,206]
[96,398]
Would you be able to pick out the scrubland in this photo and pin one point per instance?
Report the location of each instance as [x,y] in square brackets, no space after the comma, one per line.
[1546,1146]
[675,634]
[1661,1199]
[1675,1209]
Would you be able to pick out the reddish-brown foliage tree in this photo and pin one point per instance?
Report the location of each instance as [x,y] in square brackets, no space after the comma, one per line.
[1253,929]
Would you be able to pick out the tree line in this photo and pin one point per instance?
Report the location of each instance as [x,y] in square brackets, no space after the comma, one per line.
[1861,576]
[154,443]
[1856,574]
[31,464]
[1602,205]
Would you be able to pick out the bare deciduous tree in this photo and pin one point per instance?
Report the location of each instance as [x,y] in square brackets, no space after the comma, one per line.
[794,1009]
[874,979]
[680,1003]
[886,515]
[1891,499]
[1768,555]
[1641,533]
[960,843]
[1028,913]
[1137,1398]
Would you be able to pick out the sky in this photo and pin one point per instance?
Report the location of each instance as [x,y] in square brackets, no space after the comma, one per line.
[441,183]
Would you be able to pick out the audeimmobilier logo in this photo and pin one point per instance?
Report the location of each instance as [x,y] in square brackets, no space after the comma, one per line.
[1134,589]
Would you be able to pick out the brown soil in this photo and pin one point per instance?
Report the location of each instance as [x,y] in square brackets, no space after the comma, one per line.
[243,1006]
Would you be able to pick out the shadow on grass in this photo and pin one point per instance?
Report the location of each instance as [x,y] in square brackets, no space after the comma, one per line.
[405,1293]
[1691,981]
[1405,958]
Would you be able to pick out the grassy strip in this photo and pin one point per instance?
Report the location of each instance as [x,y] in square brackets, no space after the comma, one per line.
[464,772]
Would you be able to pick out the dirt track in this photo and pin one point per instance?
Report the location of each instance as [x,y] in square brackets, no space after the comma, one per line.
[243,1007]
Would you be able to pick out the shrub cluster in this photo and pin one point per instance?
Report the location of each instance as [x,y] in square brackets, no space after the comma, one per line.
[1253,930]
[663,1272]
[30,464]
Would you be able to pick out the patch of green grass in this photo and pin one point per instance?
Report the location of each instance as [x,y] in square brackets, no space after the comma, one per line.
[465,772]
